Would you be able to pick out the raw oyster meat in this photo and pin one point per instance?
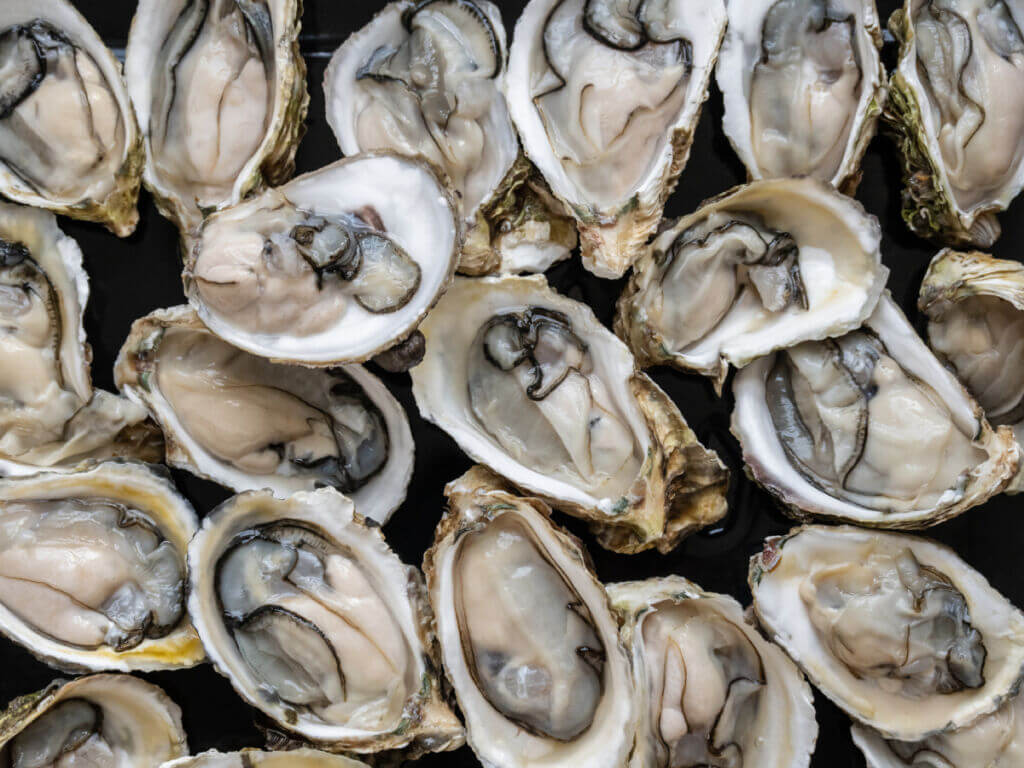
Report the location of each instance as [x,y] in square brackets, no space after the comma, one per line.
[606,95]
[219,87]
[335,266]
[868,428]
[529,383]
[92,568]
[68,137]
[762,267]
[956,106]
[253,758]
[317,623]
[528,640]
[898,631]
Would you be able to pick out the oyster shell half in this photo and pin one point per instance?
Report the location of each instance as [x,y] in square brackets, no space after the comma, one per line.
[868,428]
[317,623]
[253,758]
[710,689]
[529,383]
[762,267]
[898,631]
[606,95]
[528,640]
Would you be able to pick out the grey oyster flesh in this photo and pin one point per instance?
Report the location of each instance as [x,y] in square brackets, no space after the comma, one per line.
[282,269]
[927,644]
[539,662]
[434,95]
[861,428]
[48,415]
[89,573]
[970,61]
[70,734]
[711,267]
[705,680]
[227,401]
[212,97]
[614,78]
[312,629]
[533,388]
[805,89]
[61,128]
[983,338]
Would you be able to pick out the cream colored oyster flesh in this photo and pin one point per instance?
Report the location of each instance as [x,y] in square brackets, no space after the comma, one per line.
[253,758]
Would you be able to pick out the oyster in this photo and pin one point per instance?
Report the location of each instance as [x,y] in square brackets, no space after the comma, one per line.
[50,416]
[219,87]
[316,622]
[710,690]
[114,721]
[253,758]
[803,86]
[527,637]
[68,137]
[606,95]
[426,79]
[956,106]
[247,423]
[975,309]
[898,631]
[532,385]
[335,266]
[92,569]
[760,268]
[868,428]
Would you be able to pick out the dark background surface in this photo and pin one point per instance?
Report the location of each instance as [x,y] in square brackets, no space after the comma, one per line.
[132,277]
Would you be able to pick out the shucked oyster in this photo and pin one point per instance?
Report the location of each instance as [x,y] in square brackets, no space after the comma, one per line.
[316,622]
[92,569]
[803,86]
[68,137]
[247,423]
[898,631]
[527,637]
[252,758]
[760,268]
[114,721]
[219,87]
[710,690]
[869,428]
[50,416]
[426,79]
[975,309]
[606,95]
[956,105]
[335,266]
[531,384]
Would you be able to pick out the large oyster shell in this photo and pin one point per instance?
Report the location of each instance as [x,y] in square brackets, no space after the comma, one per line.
[253,758]
[606,96]
[563,413]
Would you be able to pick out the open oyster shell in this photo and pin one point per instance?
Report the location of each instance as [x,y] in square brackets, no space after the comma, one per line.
[69,141]
[92,572]
[868,428]
[975,309]
[317,623]
[606,96]
[50,415]
[529,383]
[803,86]
[253,758]
[898,631]
[333,267]
[247,423]
[117,721]
[456,119]
[956,107]
[219,87]
[528,640]
[709,688]
[759,268]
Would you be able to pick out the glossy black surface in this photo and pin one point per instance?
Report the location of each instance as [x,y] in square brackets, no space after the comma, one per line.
[135,276]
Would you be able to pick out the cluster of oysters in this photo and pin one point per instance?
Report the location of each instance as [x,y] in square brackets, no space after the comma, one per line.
[466,154]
